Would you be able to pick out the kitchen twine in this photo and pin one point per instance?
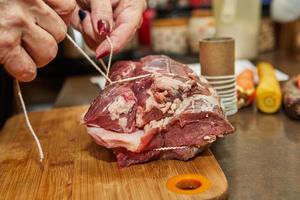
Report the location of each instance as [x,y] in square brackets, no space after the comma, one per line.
[19,92]
[37,141]
[170,148]
[107,68]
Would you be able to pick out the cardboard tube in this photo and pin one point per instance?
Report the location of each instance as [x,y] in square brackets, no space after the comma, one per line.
[217,56]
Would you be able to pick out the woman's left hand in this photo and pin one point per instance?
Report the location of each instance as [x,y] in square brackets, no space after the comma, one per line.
[119,19]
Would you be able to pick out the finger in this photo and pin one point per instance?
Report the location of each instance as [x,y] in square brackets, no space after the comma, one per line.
[50,21]
[90,42]
[41,46]
[84,4]
[76,22]
[118,37]
[134,9]
[128,18]
[77,17]
[87,26]
[102,16]
[20,65]
[82,21]
[64,8]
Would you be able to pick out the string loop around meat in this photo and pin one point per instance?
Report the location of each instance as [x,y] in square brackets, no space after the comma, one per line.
[170,148]
[131,78]
[138,77]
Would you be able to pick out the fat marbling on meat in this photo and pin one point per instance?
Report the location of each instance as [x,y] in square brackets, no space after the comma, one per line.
[171,108]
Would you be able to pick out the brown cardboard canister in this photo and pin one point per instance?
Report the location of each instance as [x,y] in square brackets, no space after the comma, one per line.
[217,56]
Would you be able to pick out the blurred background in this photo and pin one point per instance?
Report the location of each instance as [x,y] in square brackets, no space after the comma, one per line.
[171,27]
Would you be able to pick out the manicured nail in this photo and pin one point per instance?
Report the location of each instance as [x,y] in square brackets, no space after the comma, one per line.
[105,53]
[81,14]
[103,27]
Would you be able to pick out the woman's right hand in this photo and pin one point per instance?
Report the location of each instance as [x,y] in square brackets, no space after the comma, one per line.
[118,19]
[29,33]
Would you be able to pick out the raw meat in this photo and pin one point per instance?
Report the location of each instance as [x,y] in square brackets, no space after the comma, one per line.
[172,114]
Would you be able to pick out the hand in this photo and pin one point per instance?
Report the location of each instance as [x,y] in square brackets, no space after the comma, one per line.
[119,19]
[29,33]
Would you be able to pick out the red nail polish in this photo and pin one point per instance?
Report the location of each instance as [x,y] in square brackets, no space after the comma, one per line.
[105,53]
[103,27]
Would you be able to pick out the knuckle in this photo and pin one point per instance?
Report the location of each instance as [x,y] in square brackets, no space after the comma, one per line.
[67,7]
[51,53]
[18,18]
[70,6]
[47,56]
[6,47]
[44,12]
[117,45]
[12,16]
[8,42]
[61,33]
[31,2]
[104,11]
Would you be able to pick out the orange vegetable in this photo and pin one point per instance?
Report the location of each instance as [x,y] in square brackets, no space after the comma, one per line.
[298,81]
[245,88]
[246,79]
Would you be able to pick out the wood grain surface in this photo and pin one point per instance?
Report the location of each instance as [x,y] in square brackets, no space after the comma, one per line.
[76,168]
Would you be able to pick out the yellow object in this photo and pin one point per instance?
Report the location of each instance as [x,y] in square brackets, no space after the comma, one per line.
[268,93]
[188,184]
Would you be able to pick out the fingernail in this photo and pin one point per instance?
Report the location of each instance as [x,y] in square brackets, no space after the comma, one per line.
[81,15]
[105,53]
[28,76]
[103,27]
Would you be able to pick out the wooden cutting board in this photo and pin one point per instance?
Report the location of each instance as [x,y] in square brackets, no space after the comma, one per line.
[76,168]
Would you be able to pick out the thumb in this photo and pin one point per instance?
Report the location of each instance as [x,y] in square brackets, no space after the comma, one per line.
[119,37]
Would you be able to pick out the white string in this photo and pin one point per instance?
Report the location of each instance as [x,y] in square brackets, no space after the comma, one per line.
[28,122]
[131,78]
[103,64]
[170,148]
[110,55]
[88,58]
[138,77]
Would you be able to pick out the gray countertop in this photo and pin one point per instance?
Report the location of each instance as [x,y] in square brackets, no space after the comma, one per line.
[261,160]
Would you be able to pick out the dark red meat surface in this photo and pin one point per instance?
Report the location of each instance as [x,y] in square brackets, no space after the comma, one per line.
[146,119]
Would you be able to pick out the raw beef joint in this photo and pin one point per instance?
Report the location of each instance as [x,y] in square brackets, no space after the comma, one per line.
[171,114]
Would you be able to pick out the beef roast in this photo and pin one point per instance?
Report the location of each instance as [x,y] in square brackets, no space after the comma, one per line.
[170,114]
